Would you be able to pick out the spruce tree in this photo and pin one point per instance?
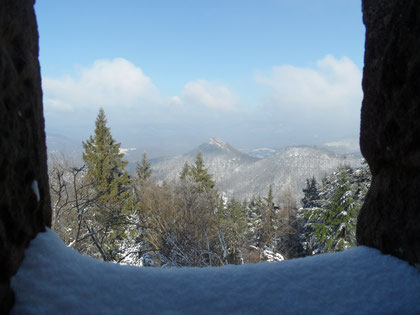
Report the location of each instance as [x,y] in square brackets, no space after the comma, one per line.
[333,224]
[105,170]
[336,229]
[311,194]
[268,219]
[200,175]
[255,210]
[144,170]
[185,172]
[104,162]
[232,226]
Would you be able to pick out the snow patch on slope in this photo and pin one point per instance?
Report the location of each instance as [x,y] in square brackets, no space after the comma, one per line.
[55,279]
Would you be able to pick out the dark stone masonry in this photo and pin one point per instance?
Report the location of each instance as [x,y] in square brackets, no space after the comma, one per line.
[390,134]
[390,128]
[24,195]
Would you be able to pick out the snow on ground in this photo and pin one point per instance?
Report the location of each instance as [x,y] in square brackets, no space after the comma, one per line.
[55,279]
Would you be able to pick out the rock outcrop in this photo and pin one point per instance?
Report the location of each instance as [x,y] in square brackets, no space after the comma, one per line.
[24,195]
[390,128]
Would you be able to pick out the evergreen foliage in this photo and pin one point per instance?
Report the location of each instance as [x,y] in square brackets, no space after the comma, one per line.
[143,170]
[332,225]
[311,194]
[105,164]
[337,221]
[254,209]
[232,227]
[185,171]
[198,174]
[105,170]
[268,219]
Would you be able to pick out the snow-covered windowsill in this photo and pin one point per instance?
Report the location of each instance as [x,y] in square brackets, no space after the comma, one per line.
[55,279]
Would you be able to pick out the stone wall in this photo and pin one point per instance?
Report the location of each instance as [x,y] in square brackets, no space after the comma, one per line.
[390,128]
[24,195]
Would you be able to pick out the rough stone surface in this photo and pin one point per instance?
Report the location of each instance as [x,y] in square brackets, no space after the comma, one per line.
[24,196]
[390,128]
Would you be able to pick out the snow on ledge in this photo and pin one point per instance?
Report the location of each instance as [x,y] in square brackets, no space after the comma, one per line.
[55,279]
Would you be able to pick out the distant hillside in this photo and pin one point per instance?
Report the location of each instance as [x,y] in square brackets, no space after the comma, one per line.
[242,176]
[346,145]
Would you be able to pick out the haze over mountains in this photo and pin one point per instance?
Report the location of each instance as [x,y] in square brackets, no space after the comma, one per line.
[242,175]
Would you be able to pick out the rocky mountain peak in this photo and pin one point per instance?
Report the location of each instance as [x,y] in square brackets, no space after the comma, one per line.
[217,142]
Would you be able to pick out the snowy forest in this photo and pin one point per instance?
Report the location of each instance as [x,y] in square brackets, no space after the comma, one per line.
[103,212]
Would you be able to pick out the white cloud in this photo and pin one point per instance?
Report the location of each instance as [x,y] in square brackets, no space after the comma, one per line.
[175,101]
[107,83]
[299,104]
[332,84]
[210,95]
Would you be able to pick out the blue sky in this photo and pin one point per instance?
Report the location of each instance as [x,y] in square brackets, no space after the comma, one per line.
[174,73]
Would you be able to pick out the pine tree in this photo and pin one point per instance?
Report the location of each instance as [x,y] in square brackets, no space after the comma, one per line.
[254,220]
[270,199]
[104,162]
[200,175]
[185,172]
[333,224]
[311,194]
[268,219]
[144,170]
[336,229]
[231,229]
[111,182]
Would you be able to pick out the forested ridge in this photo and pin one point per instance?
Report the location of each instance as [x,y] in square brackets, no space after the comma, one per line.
[102,211]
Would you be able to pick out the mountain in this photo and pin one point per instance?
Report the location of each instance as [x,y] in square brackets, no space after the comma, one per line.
[286,169]
[241,175]
[344,146]
[220,158]
[57,142]
[261,152]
